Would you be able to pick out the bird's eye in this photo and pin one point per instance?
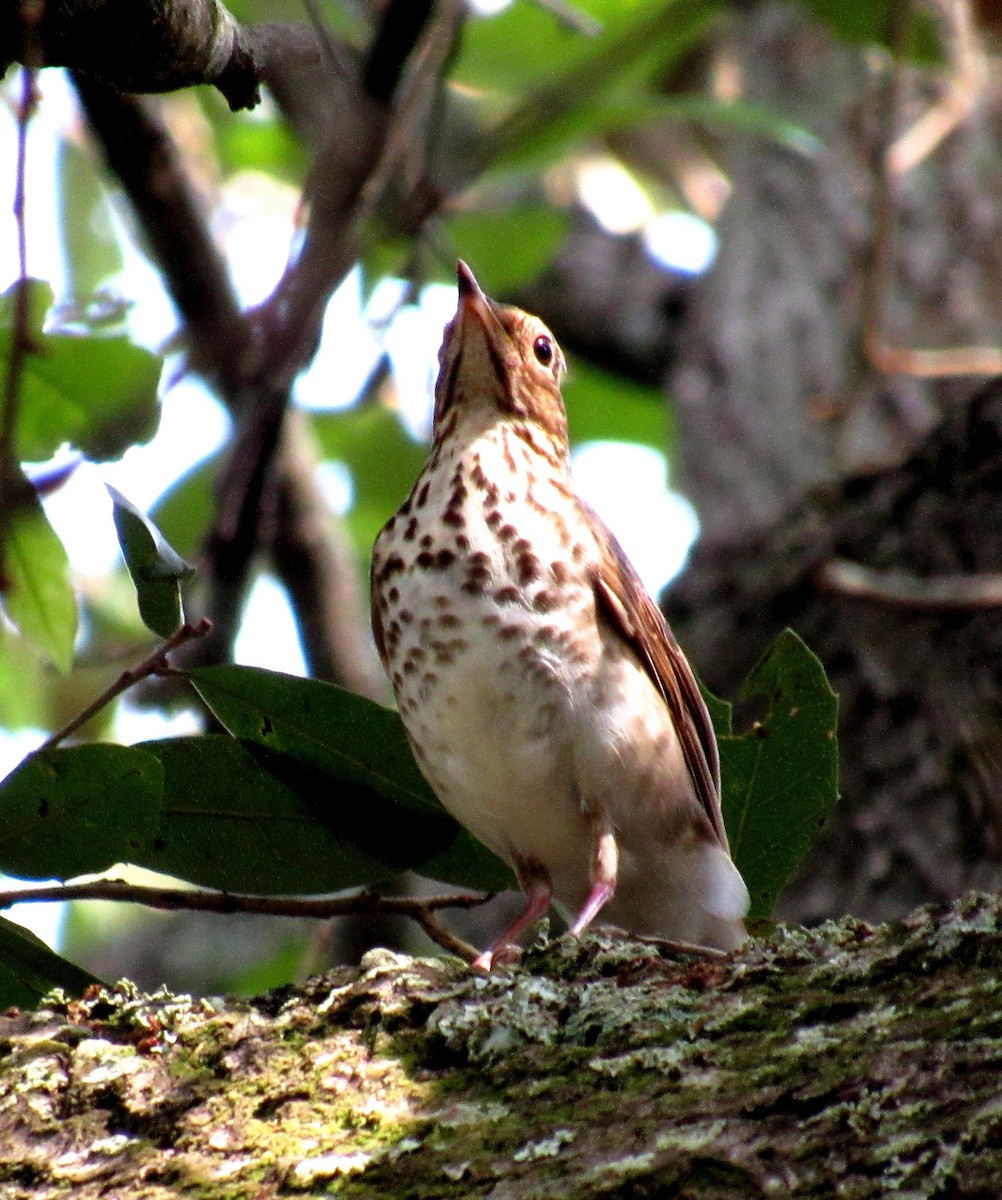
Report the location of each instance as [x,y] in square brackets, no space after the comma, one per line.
[542,347]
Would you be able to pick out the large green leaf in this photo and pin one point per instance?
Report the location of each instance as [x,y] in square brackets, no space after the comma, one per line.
[244,818]
[155,566]
[780,779]
[97,392]
[29,969]
[366,780]
[38,596]
[68,812]
[384,462]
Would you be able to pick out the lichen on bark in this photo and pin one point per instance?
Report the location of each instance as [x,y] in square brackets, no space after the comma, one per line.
[844,1060]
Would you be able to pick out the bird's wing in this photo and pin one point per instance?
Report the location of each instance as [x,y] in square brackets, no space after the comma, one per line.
[625,603]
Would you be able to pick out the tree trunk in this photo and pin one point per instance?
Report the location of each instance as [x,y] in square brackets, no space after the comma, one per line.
[796,451]
[850,1061]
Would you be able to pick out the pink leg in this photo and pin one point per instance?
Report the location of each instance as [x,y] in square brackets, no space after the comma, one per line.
[604,870]
[538,888]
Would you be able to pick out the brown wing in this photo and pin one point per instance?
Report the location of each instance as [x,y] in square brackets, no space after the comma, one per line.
[624,601]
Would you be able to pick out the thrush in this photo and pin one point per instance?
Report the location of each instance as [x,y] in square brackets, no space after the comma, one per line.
[547,701]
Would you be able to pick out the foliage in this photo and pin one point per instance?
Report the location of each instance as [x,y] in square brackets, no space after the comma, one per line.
[312,789]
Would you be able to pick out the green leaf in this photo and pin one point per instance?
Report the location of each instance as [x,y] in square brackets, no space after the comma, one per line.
[68,812]
[560,111]
[705,110]
[245,818]
[29,969]
[384,462]
[509,248]
[603,407]
[368,785]
[38,598]
[780,779]
[155,566]
[86,229]
[97,392]
[22,691]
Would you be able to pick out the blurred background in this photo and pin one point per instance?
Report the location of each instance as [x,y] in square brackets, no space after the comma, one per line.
[766,236]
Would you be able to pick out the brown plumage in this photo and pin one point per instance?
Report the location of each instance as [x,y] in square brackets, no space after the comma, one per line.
[546,699]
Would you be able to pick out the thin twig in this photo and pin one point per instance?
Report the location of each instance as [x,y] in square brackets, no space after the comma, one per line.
[420,909]
[898,589]
[154,664]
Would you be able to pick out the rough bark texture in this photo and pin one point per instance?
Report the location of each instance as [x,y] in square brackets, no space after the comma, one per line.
[845,1060]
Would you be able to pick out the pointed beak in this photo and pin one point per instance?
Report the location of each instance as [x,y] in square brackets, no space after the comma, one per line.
[472,301]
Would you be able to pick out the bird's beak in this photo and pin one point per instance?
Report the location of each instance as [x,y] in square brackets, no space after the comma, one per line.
[472,301]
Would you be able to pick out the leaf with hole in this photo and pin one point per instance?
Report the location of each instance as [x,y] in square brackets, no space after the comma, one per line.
[75,810]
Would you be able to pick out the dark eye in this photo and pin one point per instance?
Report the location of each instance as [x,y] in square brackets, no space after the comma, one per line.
[542,347]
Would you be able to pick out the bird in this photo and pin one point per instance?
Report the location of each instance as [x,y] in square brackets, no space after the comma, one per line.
[546,700]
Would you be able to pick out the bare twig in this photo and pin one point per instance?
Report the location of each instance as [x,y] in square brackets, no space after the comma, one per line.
[898,589]
[154,664]
[364,903]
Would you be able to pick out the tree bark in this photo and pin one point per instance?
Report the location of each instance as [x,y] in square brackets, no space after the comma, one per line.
[848,1060]
[796,450]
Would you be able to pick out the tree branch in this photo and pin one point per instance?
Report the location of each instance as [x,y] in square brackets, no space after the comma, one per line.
[139,45]
[364,903]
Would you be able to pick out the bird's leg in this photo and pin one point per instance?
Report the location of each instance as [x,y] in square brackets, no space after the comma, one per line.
[535,882]
[604,870]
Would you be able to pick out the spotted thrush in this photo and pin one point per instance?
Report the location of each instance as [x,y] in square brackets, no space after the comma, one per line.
[547,702]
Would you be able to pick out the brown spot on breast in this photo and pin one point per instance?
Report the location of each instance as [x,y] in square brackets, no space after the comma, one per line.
[507,632]
[405,616]
[507,532]
[489,619]
[449,621]
[545,601]
[529,568]
[441,601]
[480,558]
[444,558]
[393,595]
[507,595]
[426,541]
[411,529]
[521,547]
[453,517]
[559,571]
[393,565]
[422,497]
[493,519]
[425,560]
[462,542]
